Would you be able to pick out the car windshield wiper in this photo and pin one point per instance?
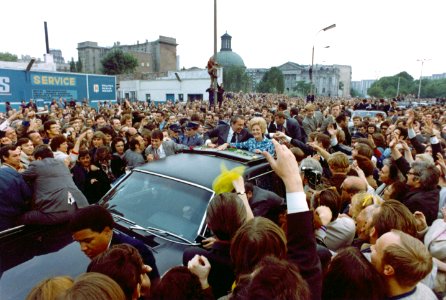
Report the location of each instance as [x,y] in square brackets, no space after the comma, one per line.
[163,233]
[120,218]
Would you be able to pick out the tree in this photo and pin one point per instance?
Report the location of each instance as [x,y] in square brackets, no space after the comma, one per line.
[118,62]
[387,87]
[354,93]
[272,82]
[79,66]
[72,65]
[235,79]
[6,56]
[303,88]
[435,88]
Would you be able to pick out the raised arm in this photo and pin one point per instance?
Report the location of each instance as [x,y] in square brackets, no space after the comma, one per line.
[239,186]
[301,240]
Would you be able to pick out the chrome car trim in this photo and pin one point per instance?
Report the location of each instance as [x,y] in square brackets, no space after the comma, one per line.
[175,179]
[263,174]
[158,233]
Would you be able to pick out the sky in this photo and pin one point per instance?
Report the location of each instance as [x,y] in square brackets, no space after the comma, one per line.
[376,38]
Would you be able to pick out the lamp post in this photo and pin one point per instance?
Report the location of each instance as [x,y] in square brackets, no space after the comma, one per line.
[215,51]
[312,56]
[421,74]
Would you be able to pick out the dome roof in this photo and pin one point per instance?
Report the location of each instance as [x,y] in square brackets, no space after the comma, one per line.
[229,59]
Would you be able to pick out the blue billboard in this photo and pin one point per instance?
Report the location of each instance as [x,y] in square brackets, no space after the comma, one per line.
[17,85]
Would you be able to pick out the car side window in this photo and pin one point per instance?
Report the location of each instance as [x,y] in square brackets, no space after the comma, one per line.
[271,182]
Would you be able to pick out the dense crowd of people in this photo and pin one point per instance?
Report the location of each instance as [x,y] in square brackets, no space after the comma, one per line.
[364,215]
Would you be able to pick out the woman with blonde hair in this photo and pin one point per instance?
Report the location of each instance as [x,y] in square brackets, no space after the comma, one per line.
[360,201]
[256,144]
[94,286]
[50,288]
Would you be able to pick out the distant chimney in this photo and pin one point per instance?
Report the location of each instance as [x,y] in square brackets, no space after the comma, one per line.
[137,42]
[46,39]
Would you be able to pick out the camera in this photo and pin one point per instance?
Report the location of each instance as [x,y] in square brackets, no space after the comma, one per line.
[313,176]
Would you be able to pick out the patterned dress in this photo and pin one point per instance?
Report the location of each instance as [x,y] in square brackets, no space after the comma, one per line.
[251,145]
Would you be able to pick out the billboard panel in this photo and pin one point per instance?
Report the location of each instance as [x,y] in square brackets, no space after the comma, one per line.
[101,87]
[48,86]
[12,85]
[17,85]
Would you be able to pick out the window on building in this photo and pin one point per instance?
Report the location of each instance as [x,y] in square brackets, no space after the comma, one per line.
[170,97]
[133,95]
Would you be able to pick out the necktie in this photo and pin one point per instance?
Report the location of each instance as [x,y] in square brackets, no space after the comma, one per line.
[156,155]
[280,128]
[234,138]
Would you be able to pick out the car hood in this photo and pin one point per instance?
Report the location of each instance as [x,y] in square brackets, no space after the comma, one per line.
[32,254]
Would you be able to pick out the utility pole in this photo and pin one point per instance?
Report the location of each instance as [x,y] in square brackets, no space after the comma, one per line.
[215,51]
[312,56]
[421,75]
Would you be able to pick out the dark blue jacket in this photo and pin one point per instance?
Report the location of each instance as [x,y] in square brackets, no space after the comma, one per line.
[14,193]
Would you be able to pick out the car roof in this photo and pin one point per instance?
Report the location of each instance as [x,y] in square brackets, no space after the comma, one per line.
[368,112]
[201,166]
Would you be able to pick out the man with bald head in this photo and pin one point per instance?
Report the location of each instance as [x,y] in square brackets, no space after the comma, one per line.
[363,221]
[351,186]
[403,261]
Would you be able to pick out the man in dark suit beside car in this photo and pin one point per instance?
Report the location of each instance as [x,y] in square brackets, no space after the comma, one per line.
[92,228]
[234,133]
[289,126]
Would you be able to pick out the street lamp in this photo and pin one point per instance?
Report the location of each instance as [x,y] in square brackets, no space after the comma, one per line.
[215,50]
[421,74]
[312,55]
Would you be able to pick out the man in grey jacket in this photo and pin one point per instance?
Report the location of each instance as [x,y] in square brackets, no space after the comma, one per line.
[56,197]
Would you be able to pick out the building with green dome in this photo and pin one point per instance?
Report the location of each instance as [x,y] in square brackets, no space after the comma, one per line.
[226,57]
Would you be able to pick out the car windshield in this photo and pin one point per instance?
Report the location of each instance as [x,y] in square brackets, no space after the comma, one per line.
[162,203]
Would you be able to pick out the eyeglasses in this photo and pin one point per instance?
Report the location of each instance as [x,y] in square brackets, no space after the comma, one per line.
[412,173]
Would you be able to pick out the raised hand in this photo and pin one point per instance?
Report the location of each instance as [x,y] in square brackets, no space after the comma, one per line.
[208,242]
[223,147]
[393,142]
[420,220]
[411,118]
[279,135]
[331,130]
[200,266]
